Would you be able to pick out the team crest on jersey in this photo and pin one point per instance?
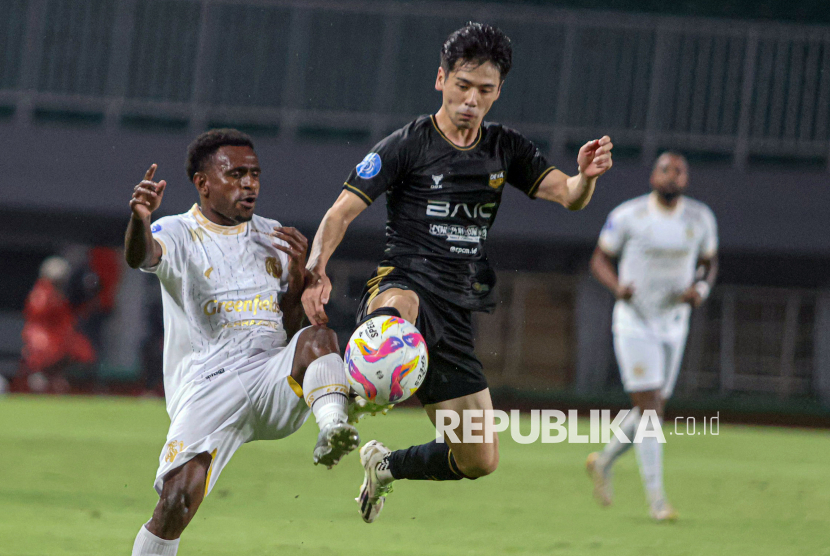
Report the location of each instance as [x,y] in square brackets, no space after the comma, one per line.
[273,267]
[497,179]
[690,232]
[155,228]
[639,370]
[173,448]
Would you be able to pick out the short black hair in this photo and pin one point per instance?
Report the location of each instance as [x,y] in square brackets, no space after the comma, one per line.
[478,43]
[675,154]
[203,147]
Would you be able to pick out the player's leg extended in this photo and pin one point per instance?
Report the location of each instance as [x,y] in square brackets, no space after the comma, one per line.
[634,357]
[650,458]
[433,461]
[183,491]
[318,370]
[406,302]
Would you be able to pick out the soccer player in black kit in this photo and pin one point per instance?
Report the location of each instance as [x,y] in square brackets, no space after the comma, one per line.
[443,176]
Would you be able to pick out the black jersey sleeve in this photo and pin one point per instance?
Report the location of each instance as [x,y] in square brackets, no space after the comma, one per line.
[379,170]
[526,165]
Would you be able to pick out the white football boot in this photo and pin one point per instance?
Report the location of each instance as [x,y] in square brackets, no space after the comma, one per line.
[336,440]
[373,492]
[600,474]
[661,510]
[360,408]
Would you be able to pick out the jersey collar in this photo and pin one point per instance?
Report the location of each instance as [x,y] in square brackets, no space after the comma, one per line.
[658,208]
[441,133]
[202,220]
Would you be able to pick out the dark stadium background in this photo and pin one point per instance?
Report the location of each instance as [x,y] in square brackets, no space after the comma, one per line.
[92,93]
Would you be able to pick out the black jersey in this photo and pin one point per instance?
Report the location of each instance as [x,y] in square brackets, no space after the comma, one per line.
[442,200]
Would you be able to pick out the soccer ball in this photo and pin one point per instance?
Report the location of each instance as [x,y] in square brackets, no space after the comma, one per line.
[386,360]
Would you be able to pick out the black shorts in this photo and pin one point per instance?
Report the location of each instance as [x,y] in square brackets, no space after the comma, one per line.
[454,371]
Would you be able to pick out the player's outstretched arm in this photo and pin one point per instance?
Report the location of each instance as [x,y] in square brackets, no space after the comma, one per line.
[604,270]
[574,192]
[296,247]
[140,249]
[328,237]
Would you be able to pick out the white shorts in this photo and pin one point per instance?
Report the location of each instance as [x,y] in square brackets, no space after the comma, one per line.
[649,364]
[256,402]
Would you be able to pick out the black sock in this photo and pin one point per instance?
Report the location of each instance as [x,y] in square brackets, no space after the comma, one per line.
[428,462]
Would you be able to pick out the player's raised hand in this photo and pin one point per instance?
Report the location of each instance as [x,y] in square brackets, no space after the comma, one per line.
[296,247]
[147,194]
[315,297]
[594,157]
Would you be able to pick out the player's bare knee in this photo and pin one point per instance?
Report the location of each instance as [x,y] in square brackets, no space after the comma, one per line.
[406,303]
[322,340]
[480,465]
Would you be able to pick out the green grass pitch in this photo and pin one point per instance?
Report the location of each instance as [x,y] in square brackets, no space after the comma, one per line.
[76,477]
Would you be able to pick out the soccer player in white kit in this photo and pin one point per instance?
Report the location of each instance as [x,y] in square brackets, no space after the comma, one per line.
[237,366]
[666,245]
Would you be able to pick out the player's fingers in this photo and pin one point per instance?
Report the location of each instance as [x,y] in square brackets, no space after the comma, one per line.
[591,145]
[136,202]
[148,184]
[160,187]
[294,233]
[296,248]
[326,292]
[604,140]
[148,175]
[287,250]
[145,191]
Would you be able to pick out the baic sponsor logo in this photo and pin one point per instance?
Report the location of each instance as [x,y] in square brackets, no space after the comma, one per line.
[444,209]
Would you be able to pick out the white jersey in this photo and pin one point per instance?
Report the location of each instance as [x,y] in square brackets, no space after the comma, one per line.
[658,250]
[221,288]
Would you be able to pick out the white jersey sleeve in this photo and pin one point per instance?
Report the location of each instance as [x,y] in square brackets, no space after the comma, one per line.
[614,233]
[170,232]
[709,241]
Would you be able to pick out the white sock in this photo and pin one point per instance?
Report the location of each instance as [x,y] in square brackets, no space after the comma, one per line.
[650,457]
[326,390]
[615,448]
[147,544]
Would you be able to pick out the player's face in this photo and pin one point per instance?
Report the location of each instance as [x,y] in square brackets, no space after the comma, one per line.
[670,176]
[469,91]
[230,186]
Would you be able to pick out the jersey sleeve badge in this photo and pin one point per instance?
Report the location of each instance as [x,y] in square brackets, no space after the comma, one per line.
[369,167]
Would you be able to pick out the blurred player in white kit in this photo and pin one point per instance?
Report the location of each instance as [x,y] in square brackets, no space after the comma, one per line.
[666,246]
[237,365]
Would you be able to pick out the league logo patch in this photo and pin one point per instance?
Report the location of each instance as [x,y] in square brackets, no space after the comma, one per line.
[369,167]
[155,228]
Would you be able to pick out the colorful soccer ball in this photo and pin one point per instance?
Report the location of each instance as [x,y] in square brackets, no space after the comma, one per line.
[386,360]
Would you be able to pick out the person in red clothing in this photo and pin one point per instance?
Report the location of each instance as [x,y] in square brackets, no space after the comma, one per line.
[51,341]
